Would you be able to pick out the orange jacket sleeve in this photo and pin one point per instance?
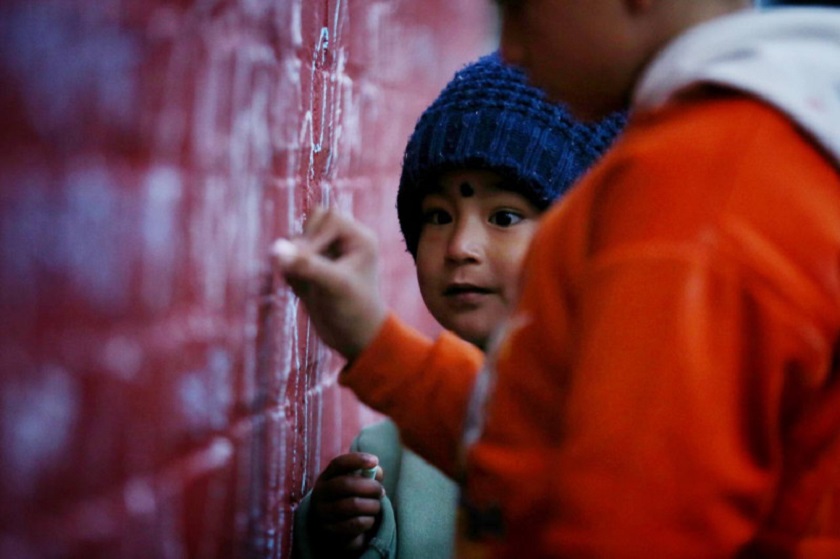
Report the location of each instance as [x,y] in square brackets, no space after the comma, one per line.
[424,386]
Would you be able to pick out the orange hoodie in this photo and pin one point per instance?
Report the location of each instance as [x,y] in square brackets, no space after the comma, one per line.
[673,388]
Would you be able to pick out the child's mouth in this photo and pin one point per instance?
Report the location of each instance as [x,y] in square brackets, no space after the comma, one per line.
[466,297]
[465,289]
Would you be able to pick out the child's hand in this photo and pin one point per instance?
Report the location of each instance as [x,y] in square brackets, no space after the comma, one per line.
[345,504]
[333,268]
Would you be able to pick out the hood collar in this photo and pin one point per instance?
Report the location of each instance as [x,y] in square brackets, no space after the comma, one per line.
[787,57]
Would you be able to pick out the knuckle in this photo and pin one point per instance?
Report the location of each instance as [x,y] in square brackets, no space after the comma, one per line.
[359,524]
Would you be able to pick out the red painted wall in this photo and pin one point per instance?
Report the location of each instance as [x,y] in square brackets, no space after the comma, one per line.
[161,394]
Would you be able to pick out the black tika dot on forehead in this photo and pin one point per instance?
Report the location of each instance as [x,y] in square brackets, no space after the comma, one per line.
[466,189]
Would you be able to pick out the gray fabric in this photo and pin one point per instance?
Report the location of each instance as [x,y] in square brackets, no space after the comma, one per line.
[425,505]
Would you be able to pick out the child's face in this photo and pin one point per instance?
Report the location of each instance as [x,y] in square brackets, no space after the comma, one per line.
[581,53]
[470,251]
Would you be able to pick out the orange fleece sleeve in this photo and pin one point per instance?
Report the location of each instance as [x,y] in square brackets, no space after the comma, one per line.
[423,385]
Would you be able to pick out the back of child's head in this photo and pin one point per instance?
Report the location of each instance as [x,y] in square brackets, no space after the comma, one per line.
[489,118]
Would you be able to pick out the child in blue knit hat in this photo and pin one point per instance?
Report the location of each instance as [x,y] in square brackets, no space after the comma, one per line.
[484,161]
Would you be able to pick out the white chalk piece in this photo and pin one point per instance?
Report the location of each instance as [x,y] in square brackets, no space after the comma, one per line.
[284,251]
[369,473]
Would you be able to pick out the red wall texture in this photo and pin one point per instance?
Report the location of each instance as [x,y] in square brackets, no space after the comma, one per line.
[162,395]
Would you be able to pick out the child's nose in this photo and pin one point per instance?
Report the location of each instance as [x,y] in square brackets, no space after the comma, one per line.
[466,242]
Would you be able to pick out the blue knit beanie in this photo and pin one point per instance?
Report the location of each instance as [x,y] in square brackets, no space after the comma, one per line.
[488,117]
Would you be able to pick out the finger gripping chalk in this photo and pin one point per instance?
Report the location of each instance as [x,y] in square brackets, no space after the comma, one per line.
[284,251]
[369,473]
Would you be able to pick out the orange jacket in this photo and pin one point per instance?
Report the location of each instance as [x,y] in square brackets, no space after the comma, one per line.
[670,386]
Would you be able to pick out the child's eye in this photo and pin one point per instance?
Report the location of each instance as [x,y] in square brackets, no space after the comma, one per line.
[506,218]
[436,217]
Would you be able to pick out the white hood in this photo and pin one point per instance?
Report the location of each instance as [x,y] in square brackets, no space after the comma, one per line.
[788,57]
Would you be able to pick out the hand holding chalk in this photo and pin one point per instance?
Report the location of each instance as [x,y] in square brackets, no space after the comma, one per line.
[333,268]
[346,502]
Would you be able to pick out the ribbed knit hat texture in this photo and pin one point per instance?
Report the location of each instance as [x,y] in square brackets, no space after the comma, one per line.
[489,117]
